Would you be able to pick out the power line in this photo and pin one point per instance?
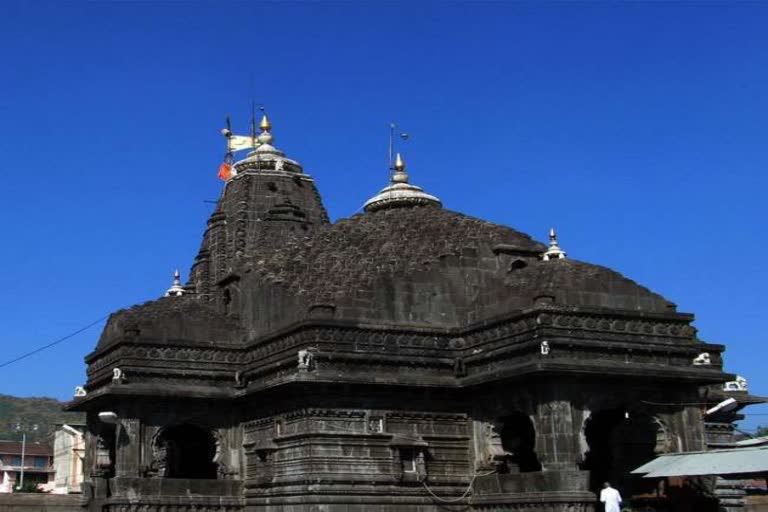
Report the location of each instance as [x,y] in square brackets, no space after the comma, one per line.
[53,343]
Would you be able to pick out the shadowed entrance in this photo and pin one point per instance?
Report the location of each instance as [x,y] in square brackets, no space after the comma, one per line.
[189,452]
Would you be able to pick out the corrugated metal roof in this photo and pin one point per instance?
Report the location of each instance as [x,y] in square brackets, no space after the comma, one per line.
[752,442]
[715,462]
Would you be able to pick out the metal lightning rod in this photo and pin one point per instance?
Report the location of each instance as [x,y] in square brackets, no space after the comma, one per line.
[403,136]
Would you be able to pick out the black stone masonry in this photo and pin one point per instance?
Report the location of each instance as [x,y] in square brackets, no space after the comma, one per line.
[407,359]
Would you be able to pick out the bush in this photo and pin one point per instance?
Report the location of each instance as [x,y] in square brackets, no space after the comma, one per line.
[31,487]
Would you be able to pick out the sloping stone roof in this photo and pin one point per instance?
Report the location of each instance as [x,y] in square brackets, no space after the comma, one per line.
[171,318]
[428,265]
[576,283]
[347,254]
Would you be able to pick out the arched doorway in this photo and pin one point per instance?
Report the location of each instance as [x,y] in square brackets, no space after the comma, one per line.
[187,451]
[620,442]
[518,439]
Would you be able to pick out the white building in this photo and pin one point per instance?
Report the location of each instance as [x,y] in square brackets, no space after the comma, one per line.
[68,453]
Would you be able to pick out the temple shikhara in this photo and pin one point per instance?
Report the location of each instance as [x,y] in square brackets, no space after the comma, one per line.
[409,358]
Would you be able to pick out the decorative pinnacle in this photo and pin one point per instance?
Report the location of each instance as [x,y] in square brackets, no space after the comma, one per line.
[399,163]
[554,251]
[400,176]
[265,124]
[399,192]
[176,290]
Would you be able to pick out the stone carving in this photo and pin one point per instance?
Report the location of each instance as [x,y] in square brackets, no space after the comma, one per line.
[103,459]
[740,384]
[225,469]
[375,424]
[118,377]
[306,360]
[80,391]
[544,348]
[158,465]
[495,454]
[702,359]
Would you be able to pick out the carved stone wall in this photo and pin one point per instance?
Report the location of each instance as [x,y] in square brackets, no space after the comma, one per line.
[340,450]
[245,223]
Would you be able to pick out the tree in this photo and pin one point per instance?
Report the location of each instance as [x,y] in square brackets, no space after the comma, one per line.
[29,487]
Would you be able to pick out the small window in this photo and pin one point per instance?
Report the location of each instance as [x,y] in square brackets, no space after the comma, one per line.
[41,462]
[408,460]
[375,424]
[16,460]
[517,265]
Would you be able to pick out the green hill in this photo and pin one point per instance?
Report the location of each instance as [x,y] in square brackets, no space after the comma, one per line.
[43,412]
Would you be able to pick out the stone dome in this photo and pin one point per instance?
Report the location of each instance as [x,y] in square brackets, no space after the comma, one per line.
[424,265]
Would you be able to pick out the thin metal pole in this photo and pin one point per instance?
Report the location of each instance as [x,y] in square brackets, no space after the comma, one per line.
[23,449]
[391,144]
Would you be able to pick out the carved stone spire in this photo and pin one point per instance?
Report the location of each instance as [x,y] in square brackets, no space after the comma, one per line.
[265,199]
[554,251]
[176,290]
[400,192]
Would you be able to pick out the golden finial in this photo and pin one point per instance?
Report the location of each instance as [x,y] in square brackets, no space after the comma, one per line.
[265,124]
[399,163]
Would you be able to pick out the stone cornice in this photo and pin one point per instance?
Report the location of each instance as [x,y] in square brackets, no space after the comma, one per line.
[579,340]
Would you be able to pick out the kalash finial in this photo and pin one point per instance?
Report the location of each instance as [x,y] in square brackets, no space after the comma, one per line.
[265,124]
[399,163]
[266,131]
[554,252]
[400,176]
[176,290]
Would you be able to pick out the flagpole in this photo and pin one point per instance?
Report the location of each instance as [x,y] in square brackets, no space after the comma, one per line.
[23,449]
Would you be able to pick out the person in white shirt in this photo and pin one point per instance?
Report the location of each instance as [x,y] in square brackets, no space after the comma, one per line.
[611,498]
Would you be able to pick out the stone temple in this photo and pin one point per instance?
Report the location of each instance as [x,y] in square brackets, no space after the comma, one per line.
[409,358]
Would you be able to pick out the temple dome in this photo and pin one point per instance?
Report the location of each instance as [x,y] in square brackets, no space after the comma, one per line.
[428,266]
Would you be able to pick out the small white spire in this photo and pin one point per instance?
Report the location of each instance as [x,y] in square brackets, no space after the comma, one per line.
[400,192]
[554,251]
[176,290]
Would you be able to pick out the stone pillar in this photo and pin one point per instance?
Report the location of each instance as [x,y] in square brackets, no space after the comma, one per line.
[128,450]
[555,443]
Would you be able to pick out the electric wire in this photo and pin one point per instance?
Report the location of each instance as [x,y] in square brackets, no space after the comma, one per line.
[54,343]
[342,430]
[460,498]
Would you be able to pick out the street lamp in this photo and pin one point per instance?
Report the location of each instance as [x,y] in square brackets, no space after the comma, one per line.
[23,431]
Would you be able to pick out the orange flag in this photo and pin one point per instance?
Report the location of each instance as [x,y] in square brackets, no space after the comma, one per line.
[225,171]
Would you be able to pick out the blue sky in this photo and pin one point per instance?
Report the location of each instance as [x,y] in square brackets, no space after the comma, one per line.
[637,129]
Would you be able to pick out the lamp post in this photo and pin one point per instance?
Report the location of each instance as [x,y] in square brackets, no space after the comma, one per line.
[23,430]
